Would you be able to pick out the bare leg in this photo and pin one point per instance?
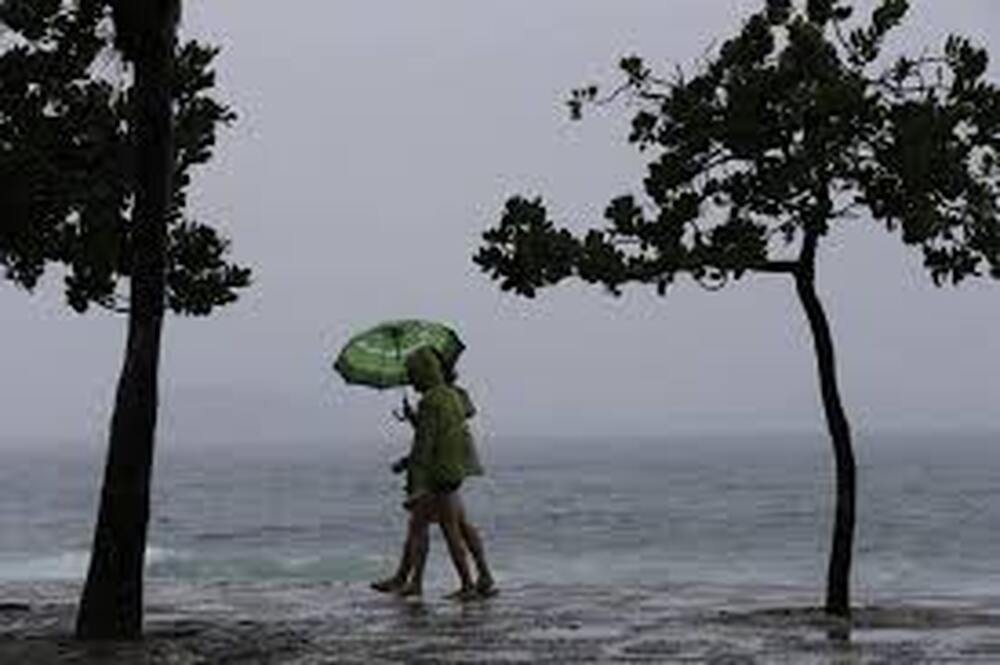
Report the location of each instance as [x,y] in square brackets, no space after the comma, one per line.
[484,581]
[449,513]
[417,542]
[470,535]
[418,556]
[398,579]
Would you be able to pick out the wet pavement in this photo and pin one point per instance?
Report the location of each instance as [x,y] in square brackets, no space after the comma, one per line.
[311,624]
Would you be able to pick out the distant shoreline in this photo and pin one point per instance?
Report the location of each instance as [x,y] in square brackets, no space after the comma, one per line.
[95,443]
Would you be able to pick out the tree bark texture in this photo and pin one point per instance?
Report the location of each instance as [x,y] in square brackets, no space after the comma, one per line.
[111,606]
[838,601]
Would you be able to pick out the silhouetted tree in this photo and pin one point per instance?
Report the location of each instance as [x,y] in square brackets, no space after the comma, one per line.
[93,173]
[795,123]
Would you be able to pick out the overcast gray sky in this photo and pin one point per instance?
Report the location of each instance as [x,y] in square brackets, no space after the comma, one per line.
[377,139]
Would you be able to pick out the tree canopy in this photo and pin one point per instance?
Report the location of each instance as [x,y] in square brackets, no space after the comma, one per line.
[794,123]
[67,180]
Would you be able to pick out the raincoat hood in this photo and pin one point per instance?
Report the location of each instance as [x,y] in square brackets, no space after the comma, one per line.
[424,369]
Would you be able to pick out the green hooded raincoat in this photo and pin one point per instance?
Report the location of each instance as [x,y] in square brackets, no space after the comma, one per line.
[443,451]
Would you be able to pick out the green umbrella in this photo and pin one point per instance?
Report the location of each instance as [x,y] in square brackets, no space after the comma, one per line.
[377,356]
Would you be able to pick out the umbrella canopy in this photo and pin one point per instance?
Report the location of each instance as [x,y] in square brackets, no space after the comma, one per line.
[377,356]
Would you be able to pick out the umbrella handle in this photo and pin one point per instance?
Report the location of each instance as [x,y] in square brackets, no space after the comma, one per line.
[406,414]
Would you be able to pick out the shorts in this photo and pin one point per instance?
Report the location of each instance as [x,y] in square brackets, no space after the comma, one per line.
[447,488]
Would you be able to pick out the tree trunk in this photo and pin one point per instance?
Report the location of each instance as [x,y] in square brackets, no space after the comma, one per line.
[112,603]
[838,601]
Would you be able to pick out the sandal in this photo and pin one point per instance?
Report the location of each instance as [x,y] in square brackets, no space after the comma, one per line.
[464,594]
[387,585]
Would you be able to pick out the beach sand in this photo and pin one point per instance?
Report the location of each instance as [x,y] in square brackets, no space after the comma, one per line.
[229,624]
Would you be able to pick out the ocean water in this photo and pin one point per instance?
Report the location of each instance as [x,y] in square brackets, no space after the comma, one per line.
[727,511]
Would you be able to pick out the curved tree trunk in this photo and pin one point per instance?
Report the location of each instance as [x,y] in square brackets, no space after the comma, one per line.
[112,602]
[838,600]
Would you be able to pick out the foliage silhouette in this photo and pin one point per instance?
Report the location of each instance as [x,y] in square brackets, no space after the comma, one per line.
[93,177]
[793,124]
[67,183]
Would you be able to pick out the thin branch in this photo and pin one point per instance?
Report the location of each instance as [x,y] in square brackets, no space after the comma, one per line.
[114,304]
[652,96]
[777,267]
[611,96]
[891,82]
[852,53]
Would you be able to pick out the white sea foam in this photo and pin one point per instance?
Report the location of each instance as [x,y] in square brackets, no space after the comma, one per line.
[68,565]
[725,513]
[64,566]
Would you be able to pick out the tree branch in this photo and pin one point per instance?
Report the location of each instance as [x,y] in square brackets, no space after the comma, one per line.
[777,267]
[114,304]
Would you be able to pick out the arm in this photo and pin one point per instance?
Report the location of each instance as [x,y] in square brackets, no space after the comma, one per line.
[467,405]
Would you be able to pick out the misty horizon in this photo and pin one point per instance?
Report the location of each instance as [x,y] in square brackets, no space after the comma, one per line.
[368,157]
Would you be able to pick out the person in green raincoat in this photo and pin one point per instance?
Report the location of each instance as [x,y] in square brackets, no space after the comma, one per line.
[443,454]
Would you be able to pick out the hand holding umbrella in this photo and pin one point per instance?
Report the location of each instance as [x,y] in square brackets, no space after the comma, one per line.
[406,414]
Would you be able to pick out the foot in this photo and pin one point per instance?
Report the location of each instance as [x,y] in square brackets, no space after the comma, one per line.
[464,594]
[409,591]
[388,585]
[486,588]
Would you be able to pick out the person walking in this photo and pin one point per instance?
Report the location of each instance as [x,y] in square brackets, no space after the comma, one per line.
[443,454]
